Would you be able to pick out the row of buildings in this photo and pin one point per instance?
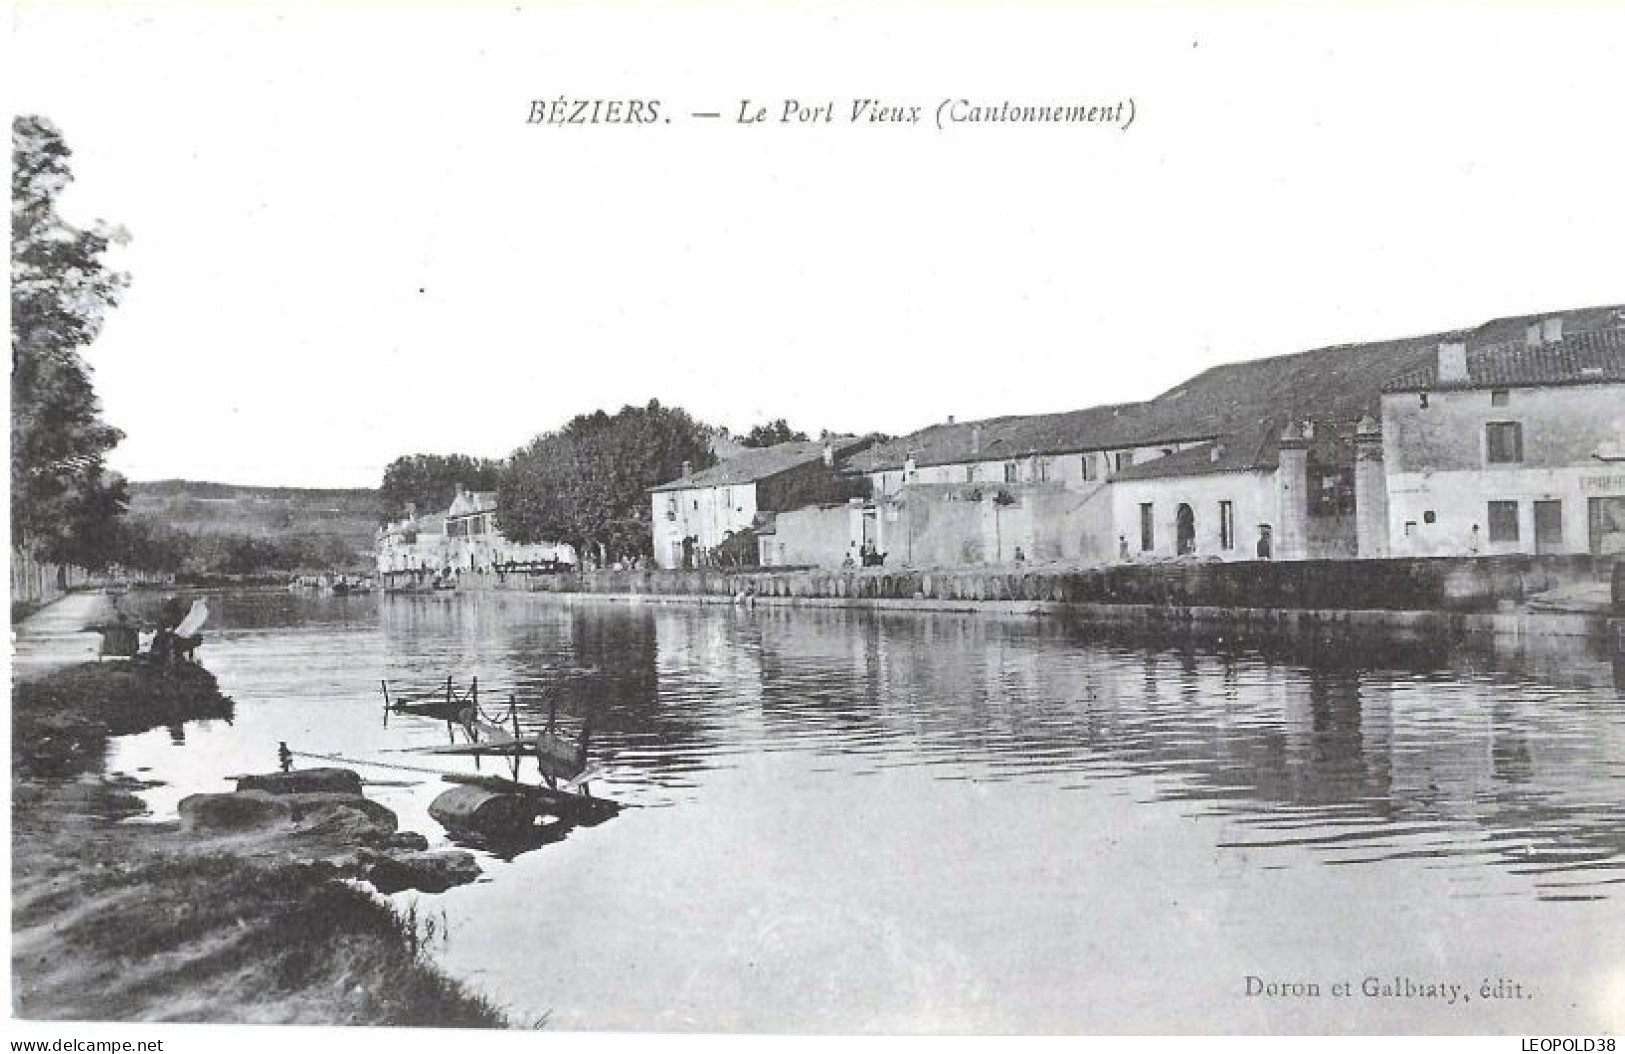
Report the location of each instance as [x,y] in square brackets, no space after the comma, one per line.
[435,546]
[1508,437]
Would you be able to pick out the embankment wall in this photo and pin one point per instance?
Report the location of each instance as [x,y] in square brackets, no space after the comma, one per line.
[1476,584]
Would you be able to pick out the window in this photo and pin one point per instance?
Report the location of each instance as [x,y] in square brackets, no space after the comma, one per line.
[1429,516]
[1089,470]
[1041,470]
[1331,491]
[970,473]
[1503,442]
[1500,397]
[1012,472]
[1148,531]
[1122,459]
[1503,521]
[1227,525]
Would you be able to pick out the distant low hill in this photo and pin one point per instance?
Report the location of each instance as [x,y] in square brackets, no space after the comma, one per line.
[272,513]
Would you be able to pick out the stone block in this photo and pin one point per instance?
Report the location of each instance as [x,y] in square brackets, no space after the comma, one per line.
[304,781]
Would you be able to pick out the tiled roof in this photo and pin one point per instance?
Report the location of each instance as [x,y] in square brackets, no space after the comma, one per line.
[1094,428]
[1579,358]
[1253,400]
[1231,454]
[755,464]
[1511,329]
[478,501]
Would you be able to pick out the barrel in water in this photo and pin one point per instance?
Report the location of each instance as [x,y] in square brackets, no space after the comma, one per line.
[480,811]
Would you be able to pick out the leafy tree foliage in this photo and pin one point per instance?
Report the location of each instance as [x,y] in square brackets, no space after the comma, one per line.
[430,481]
[149,545]
[772,433]
[64,504]
[587,484]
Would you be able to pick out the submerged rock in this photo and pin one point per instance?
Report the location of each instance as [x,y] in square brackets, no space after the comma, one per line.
[339,816]
[410,840]
[427,872]
[318,816]
[304,781]
[241,811]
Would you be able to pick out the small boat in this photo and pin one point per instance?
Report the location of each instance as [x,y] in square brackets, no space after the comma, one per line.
[559,755]
[439,709]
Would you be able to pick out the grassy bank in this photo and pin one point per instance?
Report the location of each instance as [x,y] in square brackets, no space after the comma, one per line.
[116,921]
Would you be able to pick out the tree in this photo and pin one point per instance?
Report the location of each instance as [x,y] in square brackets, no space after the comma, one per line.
[587,484]
[64,505]
[149,546]
[772,433]
[430,481]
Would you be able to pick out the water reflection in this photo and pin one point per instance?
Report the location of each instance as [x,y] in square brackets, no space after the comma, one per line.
[1359,752]
[792,734]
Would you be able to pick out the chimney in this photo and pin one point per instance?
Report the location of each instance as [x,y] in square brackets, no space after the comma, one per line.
[688,468]
[975,439]
[411,510]
[1551,330]
[1452,362]
[909,468]
[1215,453]
[1531,337]
[829,455]
[950,418]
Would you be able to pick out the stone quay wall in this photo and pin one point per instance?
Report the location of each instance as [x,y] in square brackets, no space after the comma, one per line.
[1448,584]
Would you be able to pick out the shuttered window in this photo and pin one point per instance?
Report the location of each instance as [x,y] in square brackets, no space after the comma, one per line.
[1503,442]
[1503,521]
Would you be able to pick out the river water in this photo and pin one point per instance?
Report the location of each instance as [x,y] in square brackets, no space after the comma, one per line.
[857,821]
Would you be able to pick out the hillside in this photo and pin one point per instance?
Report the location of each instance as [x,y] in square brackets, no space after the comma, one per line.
[268,513]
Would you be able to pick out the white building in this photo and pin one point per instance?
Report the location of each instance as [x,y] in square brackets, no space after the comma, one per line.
[695,514]
[1517,447]
[473,542]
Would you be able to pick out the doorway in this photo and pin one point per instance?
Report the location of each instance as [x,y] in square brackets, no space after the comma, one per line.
[1607,516]
[1548,527]
[1185,530]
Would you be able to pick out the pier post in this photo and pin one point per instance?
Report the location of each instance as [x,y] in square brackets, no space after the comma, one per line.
[1370,491]
[1292,490]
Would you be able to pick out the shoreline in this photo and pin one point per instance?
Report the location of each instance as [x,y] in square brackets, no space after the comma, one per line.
[1284,622]
[236,913]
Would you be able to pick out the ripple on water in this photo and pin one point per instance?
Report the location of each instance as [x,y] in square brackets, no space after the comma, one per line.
[1499,784]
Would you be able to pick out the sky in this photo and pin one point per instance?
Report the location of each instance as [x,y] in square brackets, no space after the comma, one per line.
[348,244]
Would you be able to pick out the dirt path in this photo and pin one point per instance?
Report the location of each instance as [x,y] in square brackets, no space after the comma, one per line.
[59,635]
